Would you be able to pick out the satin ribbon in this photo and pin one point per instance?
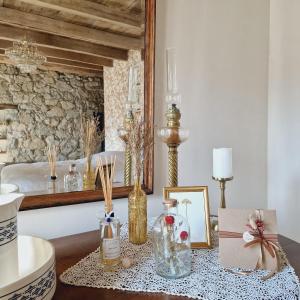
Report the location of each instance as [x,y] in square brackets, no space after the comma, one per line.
[109,216]
[268,242]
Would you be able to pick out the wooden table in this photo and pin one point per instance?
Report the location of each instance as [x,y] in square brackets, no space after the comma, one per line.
[70,249]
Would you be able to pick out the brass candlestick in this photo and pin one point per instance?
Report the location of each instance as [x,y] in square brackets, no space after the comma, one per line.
[222,182]
[173,136]
[123,134]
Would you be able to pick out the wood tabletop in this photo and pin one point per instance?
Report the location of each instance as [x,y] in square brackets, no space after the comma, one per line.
[70,249]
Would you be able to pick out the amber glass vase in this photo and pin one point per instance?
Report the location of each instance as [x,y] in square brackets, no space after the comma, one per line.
[89,177]
[137,214]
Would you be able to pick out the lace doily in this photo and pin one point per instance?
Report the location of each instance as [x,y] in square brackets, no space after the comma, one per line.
[207,281]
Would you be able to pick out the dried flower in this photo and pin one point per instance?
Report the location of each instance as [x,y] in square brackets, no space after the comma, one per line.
[260,225]
[169,220]
[184,235]
[256,223]
[140,139]
[252,222]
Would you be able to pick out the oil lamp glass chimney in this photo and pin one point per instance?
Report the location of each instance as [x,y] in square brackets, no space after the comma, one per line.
[172,97]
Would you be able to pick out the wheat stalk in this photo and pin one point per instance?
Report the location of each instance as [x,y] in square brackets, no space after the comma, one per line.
[89,137]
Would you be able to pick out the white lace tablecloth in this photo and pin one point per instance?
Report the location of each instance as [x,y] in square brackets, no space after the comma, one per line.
[207,281]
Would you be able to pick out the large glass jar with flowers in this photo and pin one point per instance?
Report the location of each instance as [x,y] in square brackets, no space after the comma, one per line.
[171,242]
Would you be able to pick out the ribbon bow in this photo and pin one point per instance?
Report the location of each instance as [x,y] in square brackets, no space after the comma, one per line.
[109,216]
[268,242]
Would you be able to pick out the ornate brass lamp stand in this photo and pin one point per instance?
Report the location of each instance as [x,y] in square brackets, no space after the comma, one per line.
[173,136]
[222,182]
[123,134]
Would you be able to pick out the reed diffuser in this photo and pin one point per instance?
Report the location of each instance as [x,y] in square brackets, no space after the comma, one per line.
[90,141]
[110,252]
[52,158]
[140,140]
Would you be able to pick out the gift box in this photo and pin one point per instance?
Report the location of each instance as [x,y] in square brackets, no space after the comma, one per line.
[248,239]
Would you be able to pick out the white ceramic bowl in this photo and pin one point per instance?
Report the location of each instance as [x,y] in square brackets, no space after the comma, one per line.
[27,270]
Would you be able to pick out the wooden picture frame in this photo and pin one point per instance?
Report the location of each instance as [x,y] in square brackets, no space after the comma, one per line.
[190,206]
[60,199]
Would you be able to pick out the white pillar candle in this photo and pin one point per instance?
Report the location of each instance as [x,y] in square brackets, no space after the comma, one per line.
[222,162]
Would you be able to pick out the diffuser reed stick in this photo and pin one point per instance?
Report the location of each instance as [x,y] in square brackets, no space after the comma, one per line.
[107,180]
[52,158]
[109,225]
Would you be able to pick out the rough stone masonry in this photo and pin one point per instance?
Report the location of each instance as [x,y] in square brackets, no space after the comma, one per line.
[50,105]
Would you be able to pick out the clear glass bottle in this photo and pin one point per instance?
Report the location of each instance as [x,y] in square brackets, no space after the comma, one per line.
[110,246]
[171,242]
[73,179]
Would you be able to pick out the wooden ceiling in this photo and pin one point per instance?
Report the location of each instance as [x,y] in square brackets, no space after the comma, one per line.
[77,36]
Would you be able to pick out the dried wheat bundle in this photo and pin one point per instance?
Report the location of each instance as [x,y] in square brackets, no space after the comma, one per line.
[140,141]
[106,177]
[89,136]
[52,158]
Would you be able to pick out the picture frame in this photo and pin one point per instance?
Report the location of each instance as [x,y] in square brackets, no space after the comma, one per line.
[193,203]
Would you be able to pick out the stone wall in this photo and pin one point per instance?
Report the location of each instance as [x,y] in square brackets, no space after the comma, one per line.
[115,94]
[50,105]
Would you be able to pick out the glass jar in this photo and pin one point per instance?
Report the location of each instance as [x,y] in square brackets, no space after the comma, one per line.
[110,248]
[137,215]
[171,242]
[73,179]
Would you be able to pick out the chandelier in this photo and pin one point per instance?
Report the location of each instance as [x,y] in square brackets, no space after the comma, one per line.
[25,56]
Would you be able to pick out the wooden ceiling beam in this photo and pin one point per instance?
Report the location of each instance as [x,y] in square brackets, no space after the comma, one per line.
[43,24]
[58,42]
[61,68]
[66,55]
[87,9]
[78,64]
[65,62]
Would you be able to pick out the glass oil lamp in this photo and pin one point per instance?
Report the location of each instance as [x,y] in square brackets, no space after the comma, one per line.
[172,135]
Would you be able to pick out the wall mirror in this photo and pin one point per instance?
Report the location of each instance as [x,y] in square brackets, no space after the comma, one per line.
[76,68]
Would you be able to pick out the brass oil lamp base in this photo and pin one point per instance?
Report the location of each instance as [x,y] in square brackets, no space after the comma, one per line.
[173,136]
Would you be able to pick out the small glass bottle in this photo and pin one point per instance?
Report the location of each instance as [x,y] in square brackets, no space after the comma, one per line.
[52,183]
[110,248]
[72,179]
[171,242]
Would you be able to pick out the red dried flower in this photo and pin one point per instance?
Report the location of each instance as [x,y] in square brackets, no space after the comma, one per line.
[169,220]
[184,235]
[260,225]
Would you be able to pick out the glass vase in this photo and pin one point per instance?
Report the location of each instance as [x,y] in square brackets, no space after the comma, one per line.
[171,243]
[89,176]
[110,248]
[137,215]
